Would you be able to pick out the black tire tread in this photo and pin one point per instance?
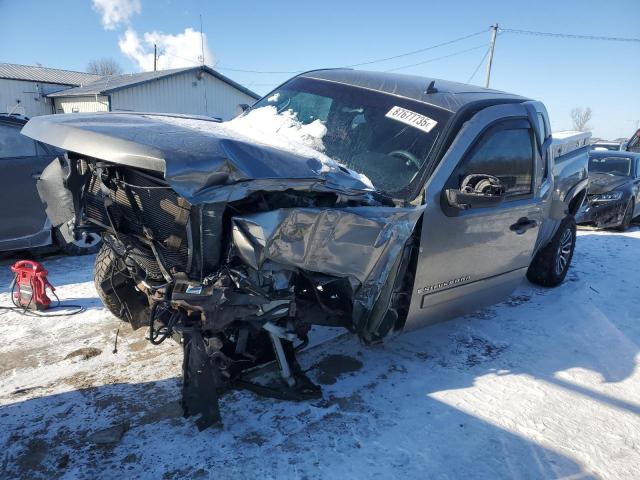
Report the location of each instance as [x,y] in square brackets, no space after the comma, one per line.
[105,262]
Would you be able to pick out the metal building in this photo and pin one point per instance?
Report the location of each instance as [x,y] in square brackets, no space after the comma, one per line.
[194,90]
[24,88]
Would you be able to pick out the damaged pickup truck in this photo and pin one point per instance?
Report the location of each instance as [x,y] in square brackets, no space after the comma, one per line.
[368,201]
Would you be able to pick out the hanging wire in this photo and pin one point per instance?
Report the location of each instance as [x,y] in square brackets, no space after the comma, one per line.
[479,64]
[369,62]
[419,50]
[569,35]
[460,52]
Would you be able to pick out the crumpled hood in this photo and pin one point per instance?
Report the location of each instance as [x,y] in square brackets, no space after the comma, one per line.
[602,182]
[193,161]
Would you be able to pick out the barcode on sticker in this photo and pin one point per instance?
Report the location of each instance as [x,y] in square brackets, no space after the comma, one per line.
[421,122]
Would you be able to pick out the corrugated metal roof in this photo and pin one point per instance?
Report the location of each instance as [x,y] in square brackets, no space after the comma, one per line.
[106,85]
[47,75]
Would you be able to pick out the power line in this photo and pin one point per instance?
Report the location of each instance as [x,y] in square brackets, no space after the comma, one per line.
[258,71]
[479,65]
[379,60]
[568,35]
[178,56]
[421,50]
[369,62]
[460,52]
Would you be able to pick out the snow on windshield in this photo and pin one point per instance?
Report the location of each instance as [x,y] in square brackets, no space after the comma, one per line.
[282,130]
[279,129]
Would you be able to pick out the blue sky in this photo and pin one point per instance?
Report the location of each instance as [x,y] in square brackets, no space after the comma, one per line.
[292,35]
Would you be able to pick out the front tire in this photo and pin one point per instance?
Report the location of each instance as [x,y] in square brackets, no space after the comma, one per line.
[551,264]
[117,290]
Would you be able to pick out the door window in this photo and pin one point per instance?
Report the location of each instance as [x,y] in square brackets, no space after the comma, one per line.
[14,144]
[506,153]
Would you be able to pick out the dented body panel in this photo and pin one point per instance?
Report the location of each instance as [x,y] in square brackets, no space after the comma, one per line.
[201,166]
[360,244]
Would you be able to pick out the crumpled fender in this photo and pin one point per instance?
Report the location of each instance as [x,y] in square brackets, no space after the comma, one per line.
[361,244]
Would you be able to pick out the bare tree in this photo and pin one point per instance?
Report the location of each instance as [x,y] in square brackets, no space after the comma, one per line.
[104,66]
[581,117]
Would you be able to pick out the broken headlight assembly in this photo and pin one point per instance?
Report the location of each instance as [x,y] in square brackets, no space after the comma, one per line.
[606,197]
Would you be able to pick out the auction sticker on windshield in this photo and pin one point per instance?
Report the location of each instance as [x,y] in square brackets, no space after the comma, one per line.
[413,119]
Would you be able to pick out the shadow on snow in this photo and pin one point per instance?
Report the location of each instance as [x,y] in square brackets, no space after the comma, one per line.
[382,421]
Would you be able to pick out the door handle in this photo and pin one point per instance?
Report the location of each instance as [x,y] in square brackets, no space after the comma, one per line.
[522,225]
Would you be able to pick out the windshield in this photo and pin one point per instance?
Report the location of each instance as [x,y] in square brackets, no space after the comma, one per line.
[383,137]
[611,165]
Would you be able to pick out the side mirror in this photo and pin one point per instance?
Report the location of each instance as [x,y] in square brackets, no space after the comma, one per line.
[476,191]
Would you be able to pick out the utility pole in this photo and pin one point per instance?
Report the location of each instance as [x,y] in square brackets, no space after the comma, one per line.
[201,40]
[494,34]
[155,57]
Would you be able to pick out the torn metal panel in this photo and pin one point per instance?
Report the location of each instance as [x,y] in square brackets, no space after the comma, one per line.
[361,244]
[201,381]
[59,205]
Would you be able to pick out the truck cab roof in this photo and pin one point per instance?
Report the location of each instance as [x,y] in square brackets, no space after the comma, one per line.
[445,94]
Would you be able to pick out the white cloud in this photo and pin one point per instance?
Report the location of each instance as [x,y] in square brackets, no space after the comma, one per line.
[116,12]
[174,51]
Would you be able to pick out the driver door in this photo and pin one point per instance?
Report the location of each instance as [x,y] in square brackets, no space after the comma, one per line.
[473,257]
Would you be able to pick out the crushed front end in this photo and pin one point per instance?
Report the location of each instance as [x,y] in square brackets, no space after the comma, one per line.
[235,238]
[237,283]
[604,210]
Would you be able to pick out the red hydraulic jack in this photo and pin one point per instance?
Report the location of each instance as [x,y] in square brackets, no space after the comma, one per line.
[29,285]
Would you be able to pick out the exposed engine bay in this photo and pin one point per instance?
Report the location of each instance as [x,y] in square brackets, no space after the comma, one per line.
[239,284]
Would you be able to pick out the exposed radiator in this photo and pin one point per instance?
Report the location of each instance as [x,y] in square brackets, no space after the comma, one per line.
[165,213]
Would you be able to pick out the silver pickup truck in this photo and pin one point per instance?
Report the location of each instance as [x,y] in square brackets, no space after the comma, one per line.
[370,201]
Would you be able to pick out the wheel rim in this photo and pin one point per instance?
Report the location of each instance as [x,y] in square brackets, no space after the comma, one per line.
[87,240]
[564,251]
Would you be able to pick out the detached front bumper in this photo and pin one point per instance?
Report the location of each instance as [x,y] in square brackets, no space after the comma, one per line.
[602,214]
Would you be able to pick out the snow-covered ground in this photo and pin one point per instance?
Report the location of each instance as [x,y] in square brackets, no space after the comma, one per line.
[545,385]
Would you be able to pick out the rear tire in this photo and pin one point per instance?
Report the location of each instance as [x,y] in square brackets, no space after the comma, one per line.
[551,264]
[117,291]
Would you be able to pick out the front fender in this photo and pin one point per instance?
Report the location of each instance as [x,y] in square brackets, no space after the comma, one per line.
[560,208]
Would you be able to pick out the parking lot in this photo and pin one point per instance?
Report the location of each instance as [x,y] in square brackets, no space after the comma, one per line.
[545,385]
